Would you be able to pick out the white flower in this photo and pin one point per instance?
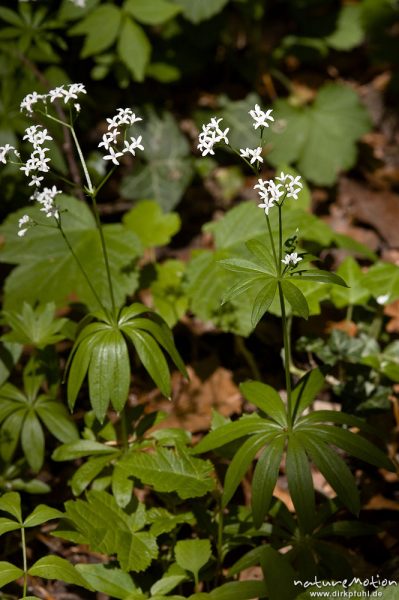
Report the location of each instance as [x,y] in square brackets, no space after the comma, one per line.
[46,199]
[267,204]
[292,185]
[269,192]
[383,299]
[291,259]
[71,93]
[113,155]
[36,135]
[126,116]
[29,100]
[113,122]
[3,152]
[36,181]
[210,135]
[57,92]
[77,106]
[135,144]
[24,224]
[254,155]
[260,117]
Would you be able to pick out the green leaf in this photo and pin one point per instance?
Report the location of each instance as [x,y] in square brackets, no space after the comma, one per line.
[240,464]
[355,293]
[57,420]
[334,416]
[136,550]
[192,555]
[173,577]
[300,482]
[296,299]
[168,294]
[349,31]
[32,441]
[265,478]
[197,10]
[107,580]
[279,575]
[266,399]
[321,138]
[101,28]
[169,470]
[80,357]
[8,525]
[122,486]
[263,254]
[47,272]
[225,434]
[81,449]
[41,514]
[151,357]
[382,280]
[9,355]
[10,432]
[11,504]
[9,573]
[334,470]
[151,13]
[134,48]
[263,300]
[240,265]
[35,326]
[235,116]
[85,474]
[355,445]
[239,590]
[169,166]
[151,225]
[55,567]
[306,390]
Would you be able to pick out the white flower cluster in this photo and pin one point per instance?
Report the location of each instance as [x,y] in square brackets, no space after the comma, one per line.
[63,92]
[270,192]
[4,150]
[24,223]
[291,259]
[46,198]
[210,135]
[261,117]
[124,117]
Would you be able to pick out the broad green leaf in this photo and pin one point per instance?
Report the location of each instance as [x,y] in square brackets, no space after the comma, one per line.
[168,169]
[170,470]
[168,294]
[192,555]
[10,432]
[162,521]
[101,28]
[152,226]
[296,299]
[8,525]
[197,10]
[137,550]
[266,398]
[122,486]
[355,445]
[246,425]
[320,138]
[134,48]
[279,575]
[9,573]
[32,441]
[11,504]
[107,580]
[238,226]
[334,470]
[306,390]
[55,567]
[355,293]
[85,474]
[41,514]
[81,449]
[263,300]
[47,272]
[239,590]
[300,483]
[151,357]
[349,31]
[263,254]
[57,420]
[151,13]
[382,280]
[240,464]
[173,577]
[265,478]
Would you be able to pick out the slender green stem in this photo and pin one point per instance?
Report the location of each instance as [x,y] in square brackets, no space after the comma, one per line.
[280,239]
[81,268]
[82,162]
[124,433]
[349,312]
[248,356]
[286,354]
[24,561]
[272,241]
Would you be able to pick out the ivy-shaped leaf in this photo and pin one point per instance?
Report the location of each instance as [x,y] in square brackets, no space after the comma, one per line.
[320,139]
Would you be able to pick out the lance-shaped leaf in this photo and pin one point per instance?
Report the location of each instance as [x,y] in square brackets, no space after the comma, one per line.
[320,276]
[263,300]
[240,464]
[11,504]
[296,299]
[42,514]
[55,567]
[334,470]
[239,590]
[265,478]
[9,573]
[279,575]
[107,580]
[334,416]
[306,390]
[300,483]
[266,398]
